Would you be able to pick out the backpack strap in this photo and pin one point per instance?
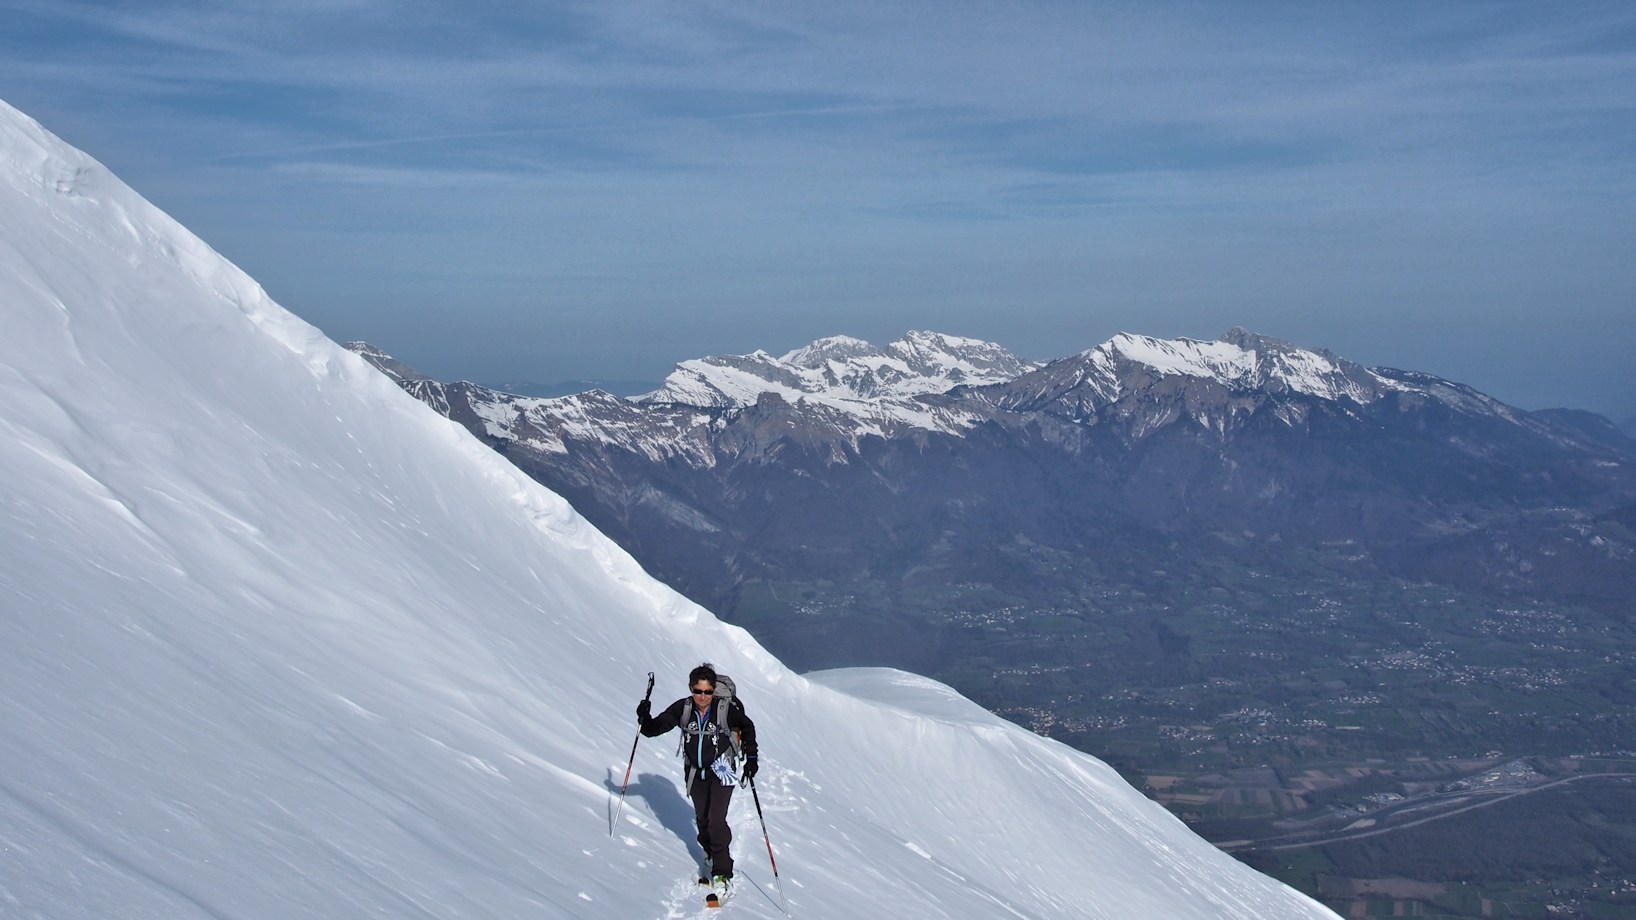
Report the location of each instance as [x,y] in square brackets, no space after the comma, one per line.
[723,707]
[690,728]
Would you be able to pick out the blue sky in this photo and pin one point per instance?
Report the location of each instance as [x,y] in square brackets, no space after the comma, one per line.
[552,191]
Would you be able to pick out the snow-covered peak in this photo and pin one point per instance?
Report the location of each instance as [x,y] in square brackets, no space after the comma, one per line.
[730,381]
[961,360]
[276,640]
[842,372]
[841,348]
[1241,361]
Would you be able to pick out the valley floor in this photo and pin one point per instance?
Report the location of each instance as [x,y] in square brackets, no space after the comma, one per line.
[1525,837]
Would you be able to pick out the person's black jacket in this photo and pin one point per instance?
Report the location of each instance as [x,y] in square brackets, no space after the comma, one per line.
[702,753]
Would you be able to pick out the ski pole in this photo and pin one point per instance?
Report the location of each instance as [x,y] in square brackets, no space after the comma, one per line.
[615,823]
[764,836]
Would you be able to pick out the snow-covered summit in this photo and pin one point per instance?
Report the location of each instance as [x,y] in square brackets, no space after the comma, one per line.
[1240,361]
[1146,384]
[276,640]
[837,348]
[882,387]
[842,371]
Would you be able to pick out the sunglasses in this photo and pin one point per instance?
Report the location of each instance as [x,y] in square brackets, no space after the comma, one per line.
[705,692]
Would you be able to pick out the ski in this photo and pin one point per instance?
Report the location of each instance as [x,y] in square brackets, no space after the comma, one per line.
[711,898]
[714,898]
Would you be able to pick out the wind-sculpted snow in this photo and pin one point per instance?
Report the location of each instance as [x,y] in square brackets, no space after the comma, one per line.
[278,641]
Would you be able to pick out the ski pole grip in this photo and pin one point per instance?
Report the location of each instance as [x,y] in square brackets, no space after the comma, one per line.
[649,694]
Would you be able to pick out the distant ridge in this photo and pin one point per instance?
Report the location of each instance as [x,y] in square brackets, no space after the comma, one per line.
[571,387]
[843,457]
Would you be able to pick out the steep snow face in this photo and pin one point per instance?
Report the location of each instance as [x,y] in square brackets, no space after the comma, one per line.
[276,640]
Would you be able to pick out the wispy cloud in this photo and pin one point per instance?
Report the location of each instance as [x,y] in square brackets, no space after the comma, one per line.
[911,153]
[378,75]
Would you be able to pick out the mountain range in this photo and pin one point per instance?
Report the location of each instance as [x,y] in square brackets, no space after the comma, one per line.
[842,458]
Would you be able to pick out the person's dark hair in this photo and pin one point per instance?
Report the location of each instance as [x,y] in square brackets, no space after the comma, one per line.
[702,672]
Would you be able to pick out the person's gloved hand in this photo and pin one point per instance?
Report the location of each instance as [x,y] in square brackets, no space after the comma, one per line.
[644,711]
[750,767]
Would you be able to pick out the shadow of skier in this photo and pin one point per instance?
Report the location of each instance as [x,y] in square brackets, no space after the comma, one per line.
[665,801]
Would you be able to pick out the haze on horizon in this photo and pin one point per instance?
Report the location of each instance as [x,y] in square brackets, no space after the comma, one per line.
[582,190]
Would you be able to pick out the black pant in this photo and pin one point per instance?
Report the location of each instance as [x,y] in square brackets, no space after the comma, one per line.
[710,799]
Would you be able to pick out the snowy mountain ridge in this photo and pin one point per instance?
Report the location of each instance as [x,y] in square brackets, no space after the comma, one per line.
[1240,361]
[276,640]
[845,390]
[836,393]
[842,372]
[846,370]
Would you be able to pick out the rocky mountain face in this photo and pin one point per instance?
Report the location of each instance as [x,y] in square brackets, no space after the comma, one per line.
[842,460]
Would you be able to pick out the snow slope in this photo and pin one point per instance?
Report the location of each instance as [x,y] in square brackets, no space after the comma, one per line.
[277,641]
